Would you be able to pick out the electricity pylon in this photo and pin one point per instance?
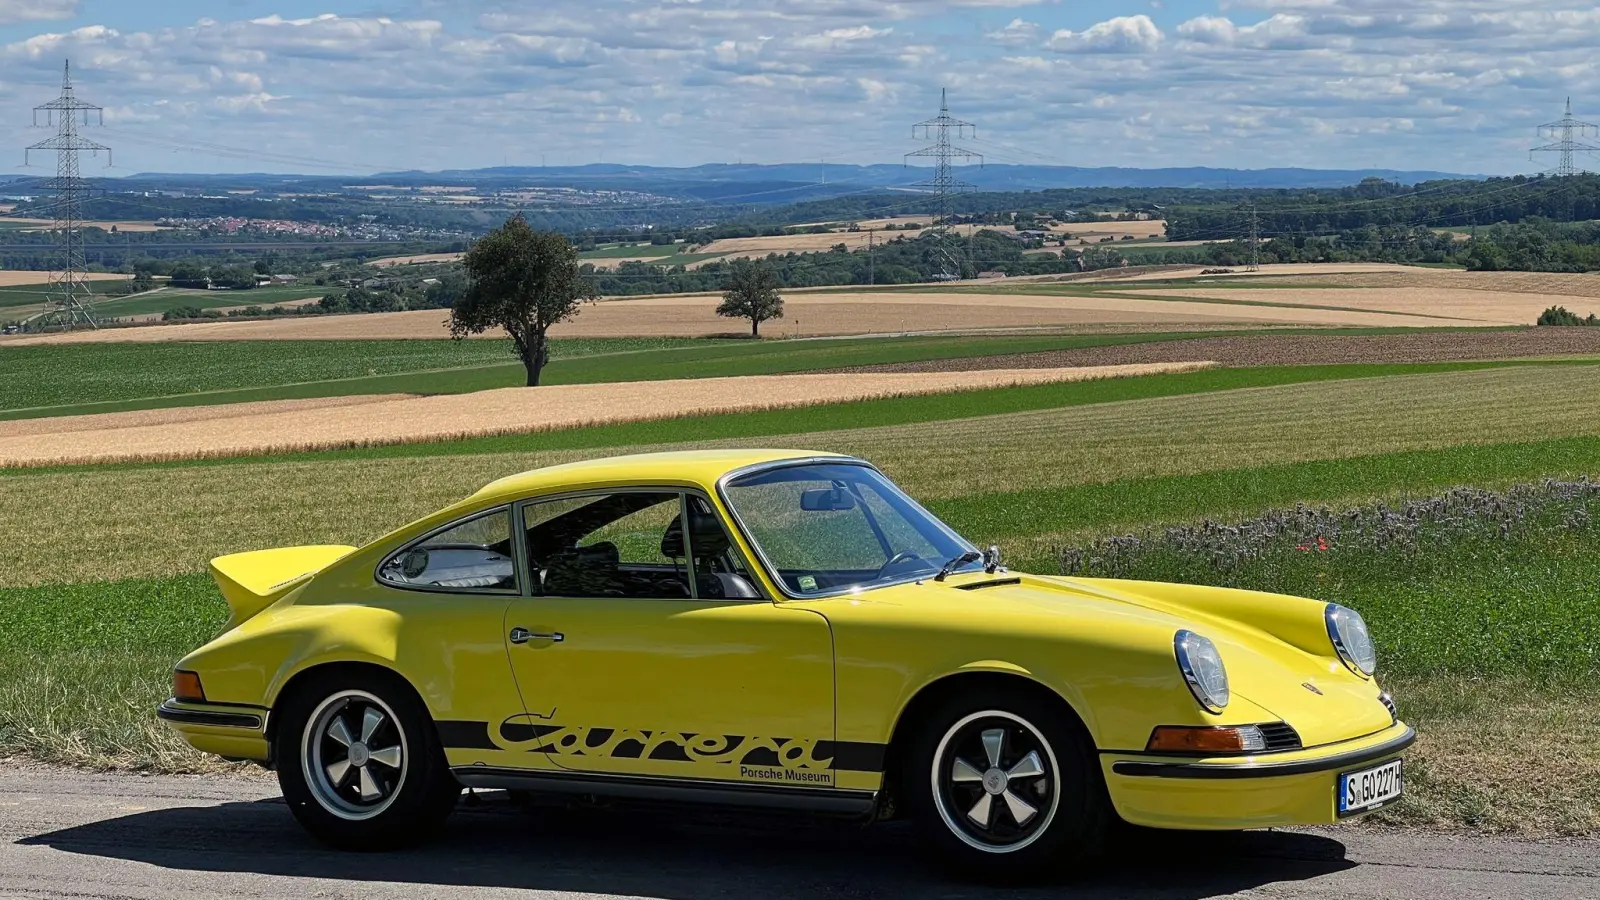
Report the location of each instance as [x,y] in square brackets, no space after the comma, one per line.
[1566,139]
[70,299]
[944,182]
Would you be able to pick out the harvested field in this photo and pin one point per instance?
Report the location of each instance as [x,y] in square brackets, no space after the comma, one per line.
[504,411]
[1148,228]
[1569,284]
[806,315]
[176,415]
[1294,349]
[45,224]
[1471,306]
[21,277]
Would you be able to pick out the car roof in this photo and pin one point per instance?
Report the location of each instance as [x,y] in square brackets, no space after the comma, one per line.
[698,467]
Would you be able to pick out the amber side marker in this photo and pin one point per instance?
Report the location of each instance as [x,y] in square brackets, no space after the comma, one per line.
[186,686]
[1206,739]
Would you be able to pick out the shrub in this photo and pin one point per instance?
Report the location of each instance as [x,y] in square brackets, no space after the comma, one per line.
[1560,315]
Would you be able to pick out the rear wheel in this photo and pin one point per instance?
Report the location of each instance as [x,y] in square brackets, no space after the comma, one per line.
[360,764]
[1006,788]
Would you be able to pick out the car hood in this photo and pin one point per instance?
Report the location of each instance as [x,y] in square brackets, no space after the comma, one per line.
[1275,647]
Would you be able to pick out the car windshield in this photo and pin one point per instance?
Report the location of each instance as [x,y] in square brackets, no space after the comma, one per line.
[829,528]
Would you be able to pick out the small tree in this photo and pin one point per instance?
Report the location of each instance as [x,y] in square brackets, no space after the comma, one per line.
[523,281]
[751,293]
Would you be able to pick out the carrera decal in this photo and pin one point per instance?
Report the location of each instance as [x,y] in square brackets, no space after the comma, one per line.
[759,758]
[460,735]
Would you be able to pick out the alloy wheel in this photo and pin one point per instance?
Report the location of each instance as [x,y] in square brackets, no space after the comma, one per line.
[994,780]
[354,755]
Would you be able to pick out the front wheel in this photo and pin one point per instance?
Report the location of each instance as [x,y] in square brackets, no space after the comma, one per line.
[1006,789]
[360,764]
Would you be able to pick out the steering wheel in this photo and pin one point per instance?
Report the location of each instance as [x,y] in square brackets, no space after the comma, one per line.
[902,556]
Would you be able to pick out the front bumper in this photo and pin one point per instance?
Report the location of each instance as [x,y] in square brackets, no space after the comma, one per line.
[226,729]
[1230,793]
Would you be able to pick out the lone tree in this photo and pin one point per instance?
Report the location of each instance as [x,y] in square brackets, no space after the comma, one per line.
[751,293]
[523,281]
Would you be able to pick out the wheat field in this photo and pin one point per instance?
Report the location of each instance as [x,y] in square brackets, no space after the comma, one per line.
[1469,307]
[205,432]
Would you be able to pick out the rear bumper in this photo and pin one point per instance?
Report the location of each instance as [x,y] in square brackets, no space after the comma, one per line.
[231,730]
[1295,788]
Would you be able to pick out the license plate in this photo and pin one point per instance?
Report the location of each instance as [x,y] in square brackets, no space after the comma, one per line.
[1367,789]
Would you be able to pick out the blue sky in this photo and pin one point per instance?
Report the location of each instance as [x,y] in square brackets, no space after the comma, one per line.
[335,86]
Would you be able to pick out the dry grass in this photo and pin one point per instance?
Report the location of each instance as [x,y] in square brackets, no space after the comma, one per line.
[1471,307]
[80,525]
[192,433]
[1462,774]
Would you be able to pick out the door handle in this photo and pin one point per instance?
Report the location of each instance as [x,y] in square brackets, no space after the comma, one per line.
[520,635]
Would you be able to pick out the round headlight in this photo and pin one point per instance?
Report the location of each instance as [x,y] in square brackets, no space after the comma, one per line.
[1351,639]
[1202,669]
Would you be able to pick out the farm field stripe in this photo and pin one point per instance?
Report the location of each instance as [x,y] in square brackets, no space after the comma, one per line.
[505,411]
[861,414]
[78,371]
[1078,511]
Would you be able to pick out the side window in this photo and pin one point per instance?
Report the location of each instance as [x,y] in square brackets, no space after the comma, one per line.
[469,557]
[610,545]
[632,544]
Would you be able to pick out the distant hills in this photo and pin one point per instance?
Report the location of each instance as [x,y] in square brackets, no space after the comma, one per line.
[771,184]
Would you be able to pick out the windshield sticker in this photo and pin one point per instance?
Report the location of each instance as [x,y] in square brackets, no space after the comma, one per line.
[808,583]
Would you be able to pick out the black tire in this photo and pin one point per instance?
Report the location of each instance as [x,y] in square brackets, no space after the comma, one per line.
[394,788]
[1046,764]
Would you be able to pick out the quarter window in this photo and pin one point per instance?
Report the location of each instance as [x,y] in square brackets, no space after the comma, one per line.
[469,557]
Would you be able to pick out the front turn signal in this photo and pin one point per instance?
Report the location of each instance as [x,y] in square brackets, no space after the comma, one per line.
[186,686]
[1206,739]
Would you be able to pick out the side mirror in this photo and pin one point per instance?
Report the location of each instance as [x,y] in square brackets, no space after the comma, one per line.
[827,500]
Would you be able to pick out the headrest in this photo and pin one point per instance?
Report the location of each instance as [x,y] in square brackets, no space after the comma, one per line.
[707,535]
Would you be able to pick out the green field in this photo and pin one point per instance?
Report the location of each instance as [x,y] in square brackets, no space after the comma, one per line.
[19,295]
[172,298]
[68,379]
[1488,629]
[629,251]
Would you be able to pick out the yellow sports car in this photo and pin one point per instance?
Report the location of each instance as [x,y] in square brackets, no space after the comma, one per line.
[776,629]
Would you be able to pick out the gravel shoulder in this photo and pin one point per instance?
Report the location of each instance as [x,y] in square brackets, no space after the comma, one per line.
[1293,349]
[70,834]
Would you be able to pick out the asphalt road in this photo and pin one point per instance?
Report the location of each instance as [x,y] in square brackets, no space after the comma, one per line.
[72,835]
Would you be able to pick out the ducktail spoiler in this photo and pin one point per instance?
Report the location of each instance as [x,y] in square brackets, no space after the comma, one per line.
[253,581]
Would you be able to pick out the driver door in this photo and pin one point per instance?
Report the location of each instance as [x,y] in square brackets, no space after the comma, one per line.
[638,656]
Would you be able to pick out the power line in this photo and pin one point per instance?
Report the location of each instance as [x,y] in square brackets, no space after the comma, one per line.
[1566,135]
[71,298]
[944,182]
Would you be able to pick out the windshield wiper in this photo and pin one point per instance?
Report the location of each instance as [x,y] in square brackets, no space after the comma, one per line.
[963,559]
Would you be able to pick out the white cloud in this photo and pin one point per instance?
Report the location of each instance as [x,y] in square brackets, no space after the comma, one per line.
[13,11]
[1450,84]
[1123,34]
[1281,31]
[1015,34]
